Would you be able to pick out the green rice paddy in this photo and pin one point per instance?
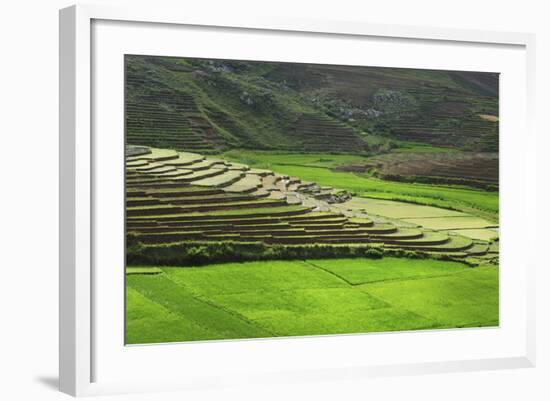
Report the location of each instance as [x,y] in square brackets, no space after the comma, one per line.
[311,297]
[454,222]
[398,210]
[485,234]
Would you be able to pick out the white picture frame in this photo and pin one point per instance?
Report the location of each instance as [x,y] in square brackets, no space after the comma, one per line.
[79,344]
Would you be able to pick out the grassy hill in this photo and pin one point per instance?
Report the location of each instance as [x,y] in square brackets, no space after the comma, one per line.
[210,106]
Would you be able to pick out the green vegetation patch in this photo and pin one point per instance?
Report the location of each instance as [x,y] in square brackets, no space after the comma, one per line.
[290,298]
[223,179]
[160,154]
[143,270]
[397,210]
[449,223]
[485,234]
[432,195]
[266,160]
[330,301]
[344,321]
[361,271]
[185,159]
[150,322]
[320,311]
[467,299]
[214,320]
[449,197]
[237,278]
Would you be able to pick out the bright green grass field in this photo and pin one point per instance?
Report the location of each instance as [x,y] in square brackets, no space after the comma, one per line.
[292,298]
[447,197]
[268,159]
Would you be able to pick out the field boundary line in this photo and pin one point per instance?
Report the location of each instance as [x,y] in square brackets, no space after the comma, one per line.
[467,269]
[209,302]
[390,280]
[178,314]
[329,272]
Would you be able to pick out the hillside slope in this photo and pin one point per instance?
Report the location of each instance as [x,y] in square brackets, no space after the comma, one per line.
[213,105]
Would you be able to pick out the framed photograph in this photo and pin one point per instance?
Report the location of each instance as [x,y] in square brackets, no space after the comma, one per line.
[272,200]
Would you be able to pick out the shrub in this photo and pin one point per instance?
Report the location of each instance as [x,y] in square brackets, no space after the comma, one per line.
[374,253]
[200,253]
[133,246]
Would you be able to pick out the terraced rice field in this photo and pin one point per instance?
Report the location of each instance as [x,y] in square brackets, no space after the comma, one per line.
[310,297]
[177,197]
[319,133]
[477,129]
[321,169]
[450,223]
[162,116]
[480,230]
[399,210]
[484,234]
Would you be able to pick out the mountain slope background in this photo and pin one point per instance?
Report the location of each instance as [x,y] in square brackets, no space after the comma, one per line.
[211,106]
